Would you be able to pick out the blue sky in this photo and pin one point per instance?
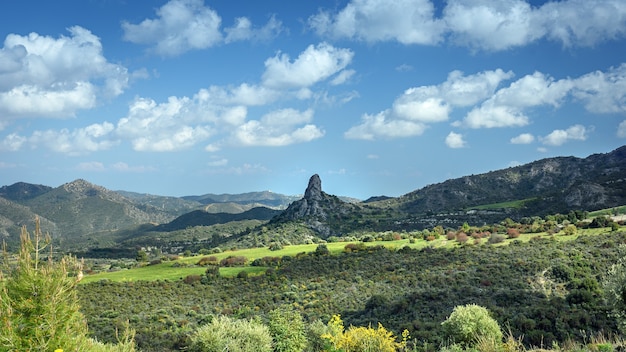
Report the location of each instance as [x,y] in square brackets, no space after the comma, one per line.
[378,97]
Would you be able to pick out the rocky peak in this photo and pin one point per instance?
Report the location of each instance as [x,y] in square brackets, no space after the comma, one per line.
[314,189]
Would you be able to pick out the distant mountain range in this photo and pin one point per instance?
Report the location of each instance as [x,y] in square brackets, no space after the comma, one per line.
[81,210]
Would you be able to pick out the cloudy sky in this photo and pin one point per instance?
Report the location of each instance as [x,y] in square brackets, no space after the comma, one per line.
[378,97]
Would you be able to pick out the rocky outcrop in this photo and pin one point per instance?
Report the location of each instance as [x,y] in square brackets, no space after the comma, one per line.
[317,209]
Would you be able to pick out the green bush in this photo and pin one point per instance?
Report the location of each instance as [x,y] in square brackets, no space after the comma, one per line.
[287,329]
[469,324]
[233,335]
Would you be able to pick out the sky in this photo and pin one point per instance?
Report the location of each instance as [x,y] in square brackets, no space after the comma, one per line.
[378,97]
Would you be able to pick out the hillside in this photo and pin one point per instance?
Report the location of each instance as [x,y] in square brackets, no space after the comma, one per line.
[541,187]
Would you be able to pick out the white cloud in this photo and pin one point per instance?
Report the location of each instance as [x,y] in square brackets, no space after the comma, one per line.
[603,92]
[505,108]
[405,21]
[583,22]
[455,140]
[524,138]
[278,128]
[418,107]
[78,141]
[13,142]
[621,129]
[184,25]
[180,26]
[559,137]
[243,30]
[385,126]
[55,77]
[314,64]
[478,24]
[491,25]
[175,125]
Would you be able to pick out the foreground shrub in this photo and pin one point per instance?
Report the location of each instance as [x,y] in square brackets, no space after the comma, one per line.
[469,324]
[361,339]
[39,307]
[233,335]
[287,329]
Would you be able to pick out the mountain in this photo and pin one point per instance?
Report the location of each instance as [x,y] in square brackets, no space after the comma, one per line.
[542,187]
[21,191]
[203,218]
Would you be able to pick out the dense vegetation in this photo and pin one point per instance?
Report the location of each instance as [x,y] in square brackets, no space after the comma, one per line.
[540,287]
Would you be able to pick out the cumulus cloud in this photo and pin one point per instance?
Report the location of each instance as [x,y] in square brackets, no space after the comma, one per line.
[278,128]
[455,140]
[314,64]
[184,25]
[524,138]
[405,21]
[478,24]
[560,137]
[215,117]
[621,129]
[383,125]
[41,76]
[418,107]
[600,92]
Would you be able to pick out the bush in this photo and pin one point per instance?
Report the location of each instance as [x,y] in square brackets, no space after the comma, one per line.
[233,335]
[512,233]
[275,246]
[362,339]
[234,261]
[469,324]
[204,261]
[287,329]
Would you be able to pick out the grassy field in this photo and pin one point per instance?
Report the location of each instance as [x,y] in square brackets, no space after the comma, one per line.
[180,268]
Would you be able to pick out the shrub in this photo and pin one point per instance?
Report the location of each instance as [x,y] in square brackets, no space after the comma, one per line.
[234,261]
[354,247]
[461,237]
[275,246]
[204,261]
[362,339]
[496,238]
[287,329]
[322,249]
[233,335]
[469,324]
[512,233]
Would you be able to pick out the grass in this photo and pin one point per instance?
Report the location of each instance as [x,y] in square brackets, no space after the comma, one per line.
[168,271]
[514,204]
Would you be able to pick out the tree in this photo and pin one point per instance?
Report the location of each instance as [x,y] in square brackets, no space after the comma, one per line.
[142,256]
[469,324]
[39,306]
